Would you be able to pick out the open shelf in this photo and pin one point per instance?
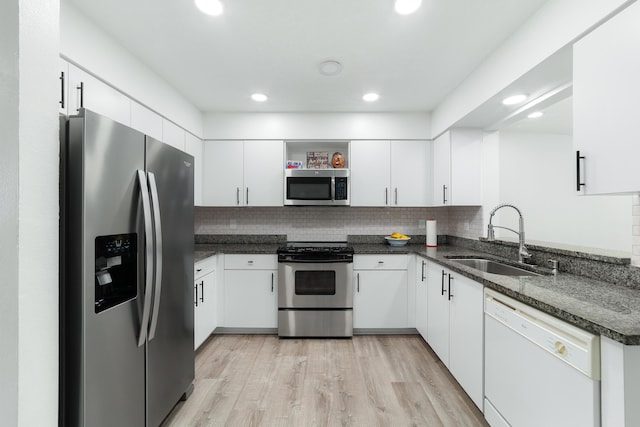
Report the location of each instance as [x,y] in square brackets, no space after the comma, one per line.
[297,150]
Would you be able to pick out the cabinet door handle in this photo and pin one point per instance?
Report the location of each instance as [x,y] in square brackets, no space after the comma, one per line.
[450,294]
[386,196]
[358,282]
[81,94]
[578,183]
[444,194]
[442,290]
[272,280]
[380,262]
[396,195]
[62,89]
[202,291]
[424,264]
[196,287]
[246,202]
[198,270]
[238,196]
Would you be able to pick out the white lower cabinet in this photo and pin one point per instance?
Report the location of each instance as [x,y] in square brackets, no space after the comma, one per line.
[205,300]
[250,291]
[455,326]
[421,297]
[380,291]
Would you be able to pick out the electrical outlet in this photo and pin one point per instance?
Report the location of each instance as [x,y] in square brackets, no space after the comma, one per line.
[466,226]
[233,224]
[422,224]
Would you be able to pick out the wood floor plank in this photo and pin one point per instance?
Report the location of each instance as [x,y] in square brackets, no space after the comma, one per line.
[261,380]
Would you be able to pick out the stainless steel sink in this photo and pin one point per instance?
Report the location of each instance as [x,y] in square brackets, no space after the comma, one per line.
[493,267]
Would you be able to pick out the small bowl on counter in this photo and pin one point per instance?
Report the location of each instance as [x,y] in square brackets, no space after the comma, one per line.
[394,241]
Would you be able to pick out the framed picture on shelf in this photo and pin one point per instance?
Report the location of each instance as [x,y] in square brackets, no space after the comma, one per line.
[317,159]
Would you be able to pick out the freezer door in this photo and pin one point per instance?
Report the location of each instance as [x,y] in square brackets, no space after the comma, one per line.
[170,355]
[104,373]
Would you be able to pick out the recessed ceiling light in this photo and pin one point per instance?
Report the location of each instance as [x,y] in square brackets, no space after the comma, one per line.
[405,7]
[514,99]
[259,97]
[535,115]
[330,67]
[370,97]
[210,7]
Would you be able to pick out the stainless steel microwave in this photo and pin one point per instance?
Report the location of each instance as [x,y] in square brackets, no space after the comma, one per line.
[316,187]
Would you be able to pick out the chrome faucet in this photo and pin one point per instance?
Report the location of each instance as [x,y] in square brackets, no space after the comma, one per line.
[522,250]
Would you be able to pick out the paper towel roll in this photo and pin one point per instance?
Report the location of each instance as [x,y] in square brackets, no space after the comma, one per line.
[432,233]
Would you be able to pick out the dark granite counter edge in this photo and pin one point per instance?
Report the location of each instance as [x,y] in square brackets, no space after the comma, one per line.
[571,318]
[259,246]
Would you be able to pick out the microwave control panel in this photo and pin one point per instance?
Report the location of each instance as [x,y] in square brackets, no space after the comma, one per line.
[341,188]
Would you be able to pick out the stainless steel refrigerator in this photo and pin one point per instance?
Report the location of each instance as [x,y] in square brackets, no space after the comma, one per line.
[126,303]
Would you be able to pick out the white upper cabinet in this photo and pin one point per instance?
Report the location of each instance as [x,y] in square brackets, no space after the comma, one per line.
[390,173]
[193,146]
[606,88]
[87,91]
[222,172]
[370,173]
[243,173]
[456,168]
[63,76]
[410,173]
[173,134]
[263,173]
[146,121]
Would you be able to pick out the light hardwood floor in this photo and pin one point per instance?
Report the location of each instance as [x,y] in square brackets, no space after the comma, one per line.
[374,380]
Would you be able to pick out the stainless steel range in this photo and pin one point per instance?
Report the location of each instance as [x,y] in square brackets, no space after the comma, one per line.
[315,289]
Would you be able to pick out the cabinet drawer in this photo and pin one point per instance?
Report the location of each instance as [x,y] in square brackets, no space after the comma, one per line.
[204,267]
[250,261]
[380,262]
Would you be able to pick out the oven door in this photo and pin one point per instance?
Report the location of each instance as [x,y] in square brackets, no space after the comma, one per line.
[315,285]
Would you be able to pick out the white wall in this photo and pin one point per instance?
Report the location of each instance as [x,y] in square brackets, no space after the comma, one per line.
[9,152]
[29,47]
[556,24]
[85,44]
[536,174]
[316,126]
[490,174]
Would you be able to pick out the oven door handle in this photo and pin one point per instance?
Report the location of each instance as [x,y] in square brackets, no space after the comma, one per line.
[316,261]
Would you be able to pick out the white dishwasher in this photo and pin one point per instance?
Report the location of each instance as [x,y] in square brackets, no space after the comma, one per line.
[539,370]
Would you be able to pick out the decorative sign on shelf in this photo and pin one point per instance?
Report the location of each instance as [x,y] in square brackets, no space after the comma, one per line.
[294,164]
[317,160]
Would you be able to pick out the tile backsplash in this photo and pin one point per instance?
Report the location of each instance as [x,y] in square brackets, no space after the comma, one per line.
[335,223]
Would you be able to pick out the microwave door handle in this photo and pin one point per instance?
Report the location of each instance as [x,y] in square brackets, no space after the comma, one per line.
[155,204]
[148,236]
[333,188]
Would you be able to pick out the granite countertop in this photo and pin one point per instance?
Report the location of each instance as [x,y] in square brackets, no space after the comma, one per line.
[206,250]
[599,307]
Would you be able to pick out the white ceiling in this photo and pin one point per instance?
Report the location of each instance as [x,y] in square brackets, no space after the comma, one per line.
[275,46]
[557,119]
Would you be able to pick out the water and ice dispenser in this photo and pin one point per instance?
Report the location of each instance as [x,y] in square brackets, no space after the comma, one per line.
[116,270]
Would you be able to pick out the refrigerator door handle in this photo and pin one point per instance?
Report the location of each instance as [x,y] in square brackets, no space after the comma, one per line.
[148,237]
[157,286]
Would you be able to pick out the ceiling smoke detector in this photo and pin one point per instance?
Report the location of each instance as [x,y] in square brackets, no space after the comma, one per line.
[330,68]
